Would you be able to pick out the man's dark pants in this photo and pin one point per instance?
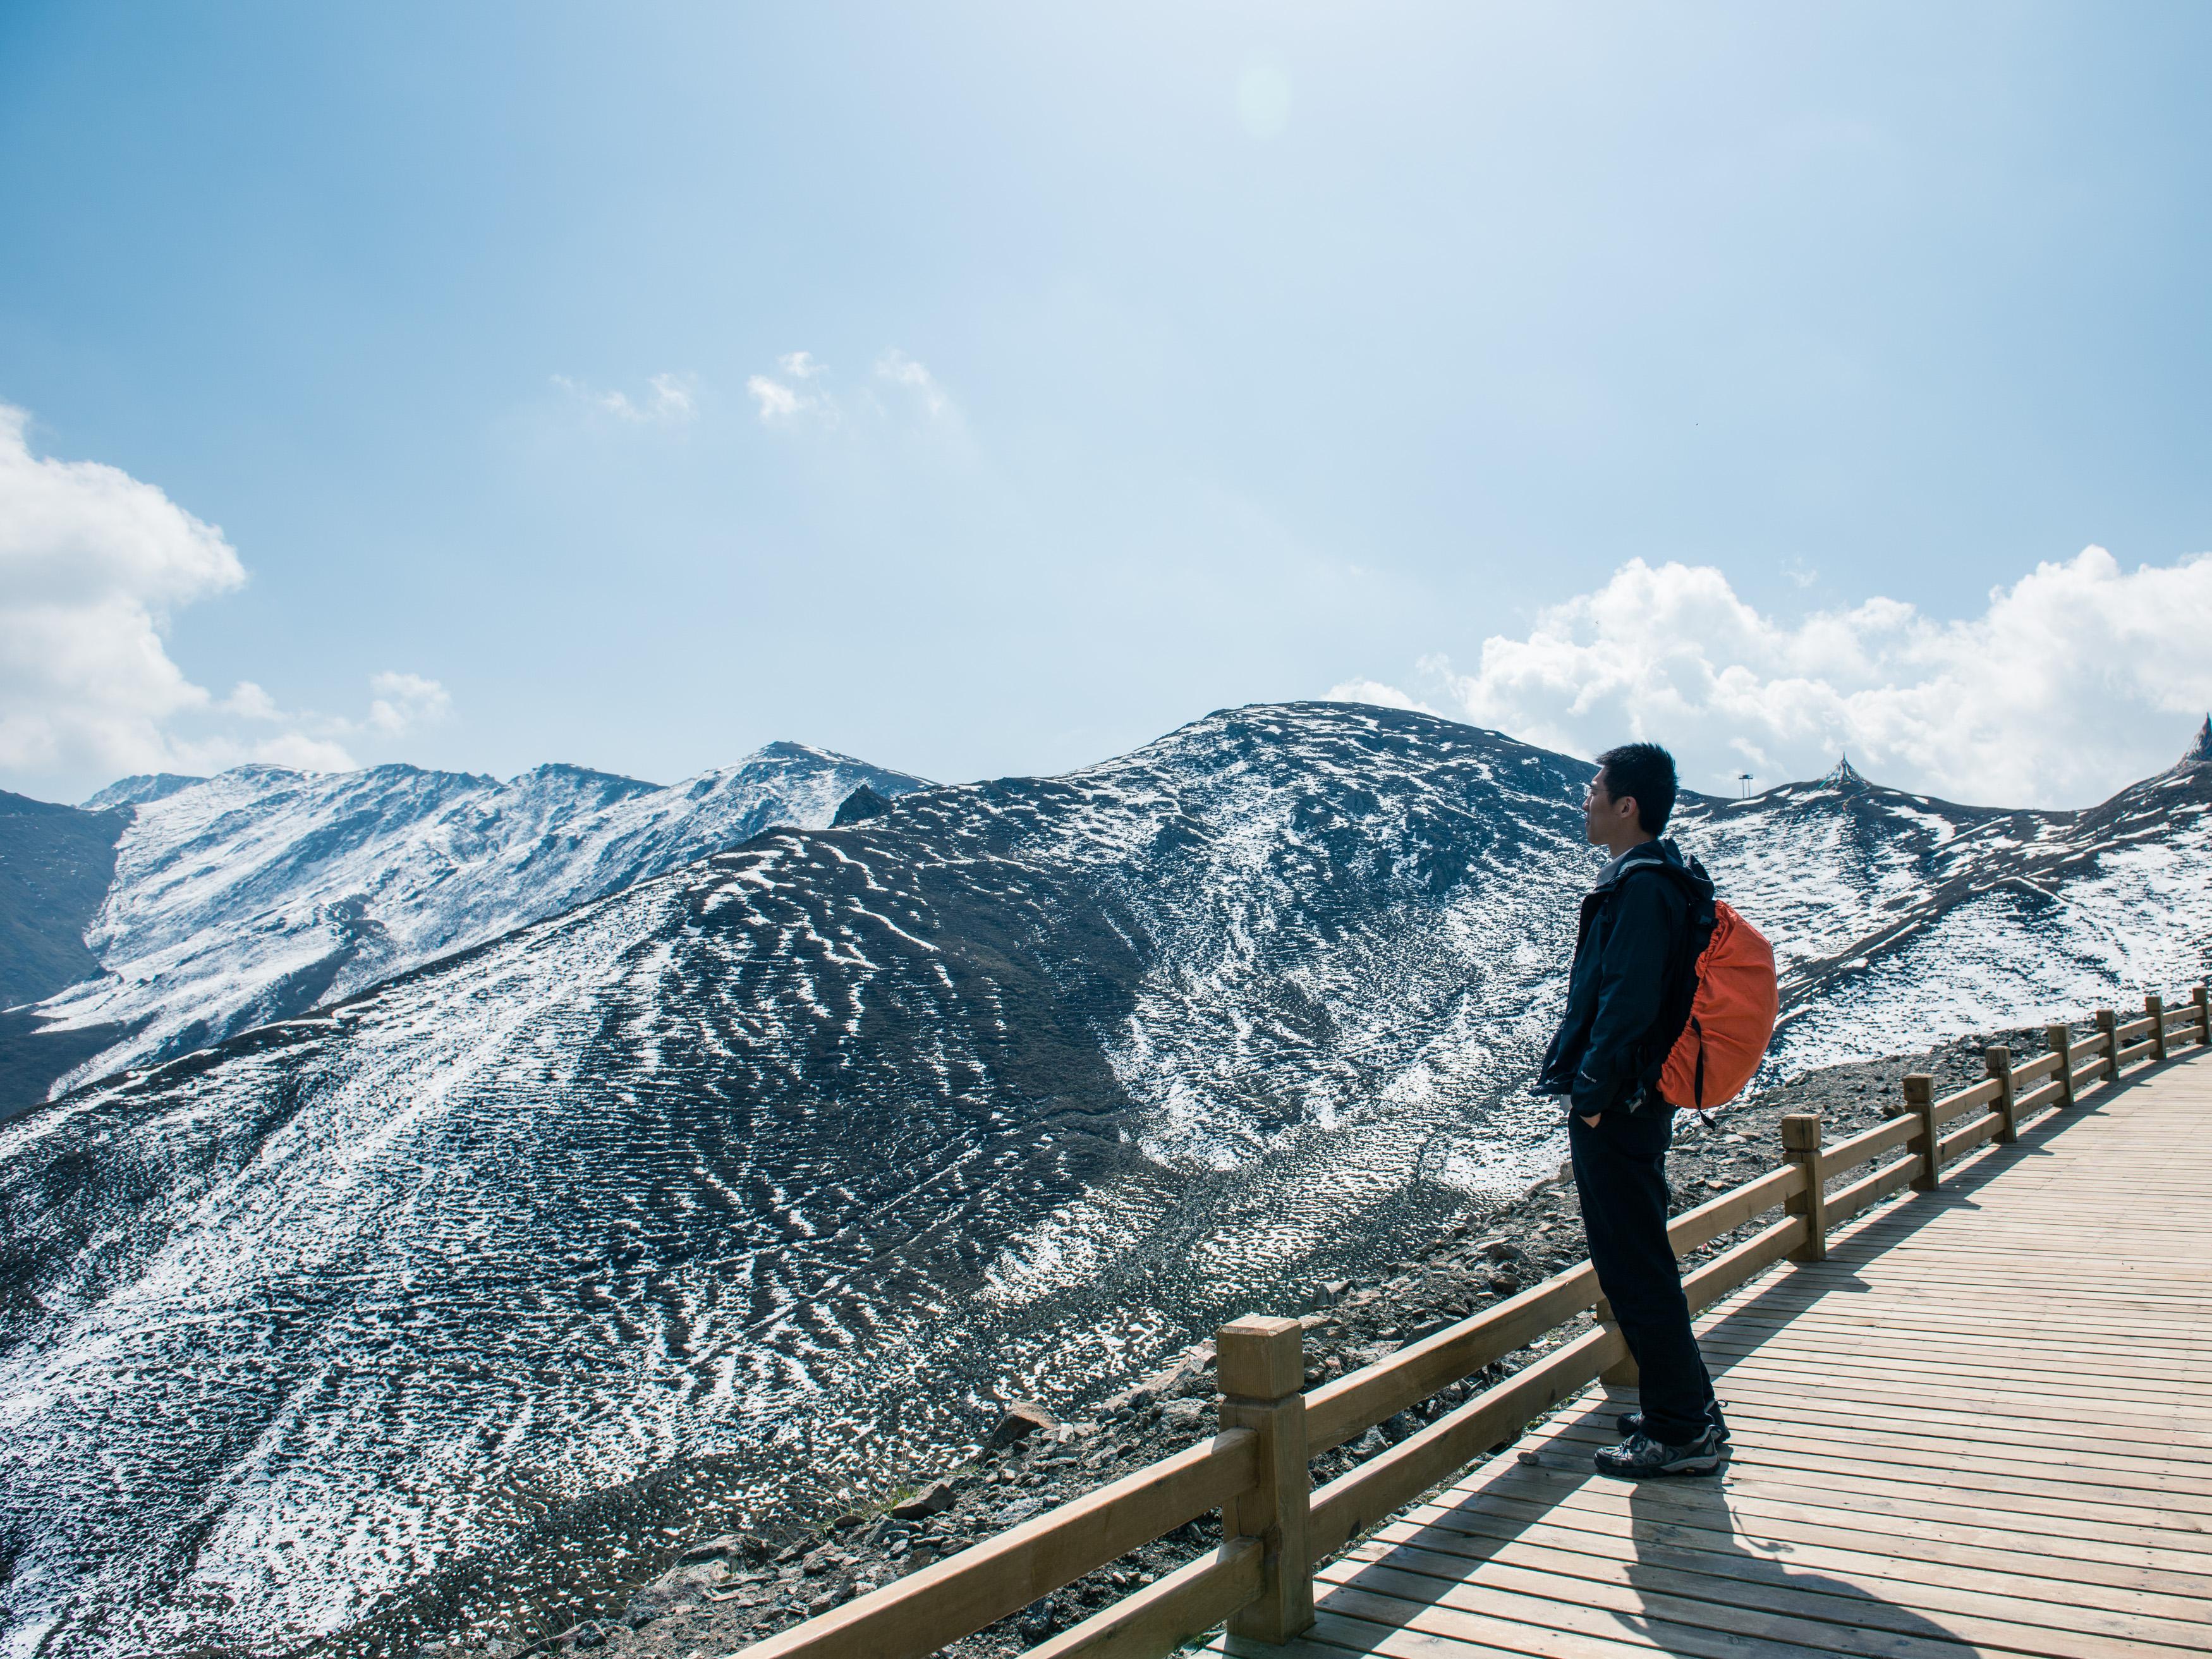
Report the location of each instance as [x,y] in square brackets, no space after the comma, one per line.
[1620,1176]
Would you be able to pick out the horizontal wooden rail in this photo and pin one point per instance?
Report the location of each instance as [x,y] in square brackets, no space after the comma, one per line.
[1243,1578]
[1961,1141]
[1390,1480]
[959,1596]
[1346,1408]
[1693,1228]
[1967,1100]
[1716,1277]
[1870,1189]
[1868,1145]
[1164,1615]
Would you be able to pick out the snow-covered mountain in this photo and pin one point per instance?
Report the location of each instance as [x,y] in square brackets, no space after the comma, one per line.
[779,1162]
[1900,918]
[251,897]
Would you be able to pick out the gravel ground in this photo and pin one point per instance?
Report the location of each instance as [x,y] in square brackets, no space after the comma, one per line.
[716,1594]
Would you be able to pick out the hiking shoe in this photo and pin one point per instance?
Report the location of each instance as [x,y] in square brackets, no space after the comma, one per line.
[1640,1456]
[1631,1423]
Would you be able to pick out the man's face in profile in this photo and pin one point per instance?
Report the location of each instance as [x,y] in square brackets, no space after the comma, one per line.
[1599,812]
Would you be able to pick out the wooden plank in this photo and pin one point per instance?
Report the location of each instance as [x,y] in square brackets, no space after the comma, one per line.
[1164,1615]
[1744,1581]
[1857,1499]
[2143,1050]
[1979,1569]
[2032,1071]
[1936,1560]
[2187,1503]
[984,1582]
[1671,1623]
[1903,1522]
[2134,1029]
[1913,1326]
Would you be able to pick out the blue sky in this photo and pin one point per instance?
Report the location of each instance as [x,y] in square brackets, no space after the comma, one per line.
[1157,358]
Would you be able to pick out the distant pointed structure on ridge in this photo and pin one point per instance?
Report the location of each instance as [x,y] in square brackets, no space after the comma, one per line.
[1844,776]
[2199,752]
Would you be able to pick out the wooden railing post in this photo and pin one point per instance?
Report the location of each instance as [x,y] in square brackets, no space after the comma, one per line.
[1801,1144]
[2201,996]
[1920,1100]
[1261,1363]
[2061,1044]
[2108,1026]
[1998,1058]
[2155,1005]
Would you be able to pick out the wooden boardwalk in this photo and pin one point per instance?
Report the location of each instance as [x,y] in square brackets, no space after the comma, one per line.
[1983,1424]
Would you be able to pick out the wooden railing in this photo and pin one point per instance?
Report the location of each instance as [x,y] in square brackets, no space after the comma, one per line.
[1276,1527]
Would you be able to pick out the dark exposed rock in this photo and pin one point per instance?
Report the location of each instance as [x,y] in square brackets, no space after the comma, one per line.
[861,806]
[1021,1419]
[930,1500]
[724,1544]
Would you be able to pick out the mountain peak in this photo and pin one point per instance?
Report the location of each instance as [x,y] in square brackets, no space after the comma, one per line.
[138,789]
[1844,776]
[2199,752]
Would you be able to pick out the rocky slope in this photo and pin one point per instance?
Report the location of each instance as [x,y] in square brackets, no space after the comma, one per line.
[740,1189]
[249,897]
[56,864]
[723,1590]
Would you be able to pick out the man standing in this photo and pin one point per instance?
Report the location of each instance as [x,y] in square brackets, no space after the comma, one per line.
[1628,999]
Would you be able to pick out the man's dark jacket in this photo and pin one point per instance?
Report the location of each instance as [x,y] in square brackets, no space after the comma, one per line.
[1628,996]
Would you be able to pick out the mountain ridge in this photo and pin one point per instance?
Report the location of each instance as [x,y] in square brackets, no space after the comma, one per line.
[826,1141]
[258,893]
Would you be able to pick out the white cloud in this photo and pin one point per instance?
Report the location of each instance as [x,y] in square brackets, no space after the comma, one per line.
[92,563]
[900,369]
[404,702]
[669,400]
[1389,697]
[2077,679]
[250,702]
[777,402]
[794,398]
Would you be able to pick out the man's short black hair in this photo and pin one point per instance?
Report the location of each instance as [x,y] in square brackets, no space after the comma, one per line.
[1644,773]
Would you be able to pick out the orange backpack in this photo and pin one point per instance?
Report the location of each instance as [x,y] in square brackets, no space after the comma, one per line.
[1731,1017]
